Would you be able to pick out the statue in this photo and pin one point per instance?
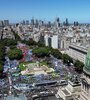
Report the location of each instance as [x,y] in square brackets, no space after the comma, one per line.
[74,79]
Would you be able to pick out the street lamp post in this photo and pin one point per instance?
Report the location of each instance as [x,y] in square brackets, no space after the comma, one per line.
[9,78]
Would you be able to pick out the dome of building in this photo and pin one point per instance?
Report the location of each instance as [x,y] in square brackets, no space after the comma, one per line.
[86,69]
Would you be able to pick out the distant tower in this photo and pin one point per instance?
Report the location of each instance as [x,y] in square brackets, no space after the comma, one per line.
[42,22]
[58,19]
[67,23]
[1,23]
[27,22]
[64,23]
[49,24]
[32,21]
[36,23]
[57,22]
[75,23]
[23,22]
[6,22]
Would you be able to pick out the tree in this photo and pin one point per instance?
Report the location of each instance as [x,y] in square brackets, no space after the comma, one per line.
[40,44]
[56,53]
[2,52]
[67,59]
[46,51]
[78,66]
[1,67]
[15,54]
[30,42]
[41,51]
[12,47]
[9,42]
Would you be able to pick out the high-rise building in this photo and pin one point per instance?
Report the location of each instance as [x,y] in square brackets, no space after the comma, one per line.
[51,41]
[46,39]
[64,23]
[42,39]
[6,22]
[23,22]
[27,22]
[1,23]
[42,22]
[57,22]
[67,23]
[32,21]
[49,24]
[36,23]
[54,41]
[75,23]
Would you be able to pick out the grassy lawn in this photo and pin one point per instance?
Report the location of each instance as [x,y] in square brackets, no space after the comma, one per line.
[23,66]
[54,74]
[43,63]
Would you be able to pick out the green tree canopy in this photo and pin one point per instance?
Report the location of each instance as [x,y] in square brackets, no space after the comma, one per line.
[2,52]
[1,67]
[40,44]
[56,53]
[9,42]
[78,66]
[41,51]
[30,42]
[67,59]
[46,51]
[15,54]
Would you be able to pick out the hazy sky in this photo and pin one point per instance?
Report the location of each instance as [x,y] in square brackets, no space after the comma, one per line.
[16,10]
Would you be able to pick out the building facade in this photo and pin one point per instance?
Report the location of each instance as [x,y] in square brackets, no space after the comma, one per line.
[85,93]
[77,52]
[51,41]
[71,91]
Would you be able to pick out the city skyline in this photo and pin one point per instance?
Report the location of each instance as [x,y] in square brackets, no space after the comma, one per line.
[17,10]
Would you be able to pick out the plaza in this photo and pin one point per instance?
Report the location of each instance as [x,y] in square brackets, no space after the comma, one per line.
[36,69]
